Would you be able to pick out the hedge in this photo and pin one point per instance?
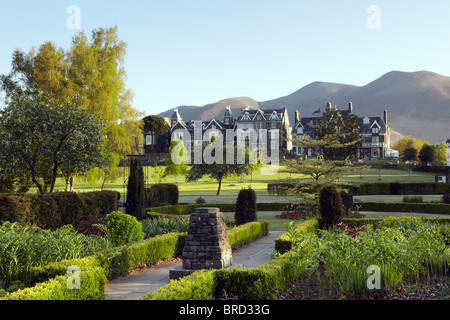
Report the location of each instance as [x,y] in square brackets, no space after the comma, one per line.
[376,188]
[224,207]
[436,208]
[51,280]
[53,210]
[283,243]
[161,194]
[264,282]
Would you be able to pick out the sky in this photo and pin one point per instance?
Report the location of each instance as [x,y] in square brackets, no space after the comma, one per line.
[195,52]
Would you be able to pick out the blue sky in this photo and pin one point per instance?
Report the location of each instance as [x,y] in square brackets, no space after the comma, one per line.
[197,52]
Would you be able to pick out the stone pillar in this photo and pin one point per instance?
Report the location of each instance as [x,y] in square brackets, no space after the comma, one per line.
[207,245]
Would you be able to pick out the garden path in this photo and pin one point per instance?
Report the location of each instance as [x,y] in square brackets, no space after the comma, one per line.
[138,284]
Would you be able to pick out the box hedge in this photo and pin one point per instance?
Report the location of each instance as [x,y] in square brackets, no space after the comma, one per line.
[436,208]
[283,243]
[162,194]
[53,210]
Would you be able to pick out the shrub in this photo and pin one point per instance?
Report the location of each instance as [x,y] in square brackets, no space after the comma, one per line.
[283,243]
[164,224]
[161,194]
[123,228]
[136,196]
[330,203]
[414,199]
[245,207]
[200,200]
[446,198]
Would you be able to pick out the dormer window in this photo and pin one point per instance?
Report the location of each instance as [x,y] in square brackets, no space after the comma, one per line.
[375,130]
[366,120]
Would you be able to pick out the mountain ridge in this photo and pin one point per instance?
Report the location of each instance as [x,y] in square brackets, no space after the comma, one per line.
[418,103]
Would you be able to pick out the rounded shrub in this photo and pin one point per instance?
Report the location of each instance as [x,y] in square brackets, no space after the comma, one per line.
[330,203]
[123,228]
[245,207]
[446,198]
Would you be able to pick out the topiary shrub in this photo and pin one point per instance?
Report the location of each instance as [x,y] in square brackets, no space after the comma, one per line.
[446,198]
[330,203]
[123,228]
[245,207]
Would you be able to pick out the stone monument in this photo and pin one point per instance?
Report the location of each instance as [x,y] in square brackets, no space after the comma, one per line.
[207,245]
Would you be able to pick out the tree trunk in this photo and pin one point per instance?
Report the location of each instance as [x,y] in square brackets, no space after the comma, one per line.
[220,185]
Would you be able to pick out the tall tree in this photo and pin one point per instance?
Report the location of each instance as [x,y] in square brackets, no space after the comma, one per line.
[426,154]
[135,204]
[221,167]
[91,75]
[338,135]
[43,140]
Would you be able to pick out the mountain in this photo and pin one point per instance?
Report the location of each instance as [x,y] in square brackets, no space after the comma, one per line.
[418,103]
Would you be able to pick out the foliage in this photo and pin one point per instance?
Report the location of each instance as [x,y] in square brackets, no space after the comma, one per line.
[160,225]
[446,198]
[426,154]
[91,75]
[416,199]
[330,202]
[408,142]
[162,194]
[175,160]
[136,198]
[53,210]
[336,136]
[295,215]
[42,139]
[245,206]
[406,250]
[123,228]
[221,167]
[200,200]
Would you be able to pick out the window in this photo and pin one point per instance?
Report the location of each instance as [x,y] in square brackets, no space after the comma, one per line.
[299,130]
[227,121]
[366,120]
[375,130]
[274,125]
[258,117]
[148,139]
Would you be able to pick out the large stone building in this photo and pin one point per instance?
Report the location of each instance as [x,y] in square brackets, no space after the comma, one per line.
[374,131]
[245,128]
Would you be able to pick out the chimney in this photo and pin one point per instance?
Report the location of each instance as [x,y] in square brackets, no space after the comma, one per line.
[328,106]
[385,117]
[350,107]
[297,116]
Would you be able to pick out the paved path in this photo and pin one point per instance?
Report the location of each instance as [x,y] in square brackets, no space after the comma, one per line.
[138,284]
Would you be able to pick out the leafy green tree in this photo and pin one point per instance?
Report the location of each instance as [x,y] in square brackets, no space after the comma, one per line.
[91,75]
[426,154]
[409,154]
[222,167]
[42,140]
[336,136]
[178,153]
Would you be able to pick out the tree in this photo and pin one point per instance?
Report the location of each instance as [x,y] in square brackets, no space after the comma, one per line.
[337,137]
[220,169]
[408,142]
[440,154]
[91,75]
[135,204]
[409,154]
[321,173]
[178,153]
[426,154]
[43,140]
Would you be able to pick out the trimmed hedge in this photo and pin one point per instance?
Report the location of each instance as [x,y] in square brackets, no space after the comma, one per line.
[51,281]
[245,233]
[224,207]
[376,188]
[53,210]
[283,243]
[436,208]
[264,282]
[161,194]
